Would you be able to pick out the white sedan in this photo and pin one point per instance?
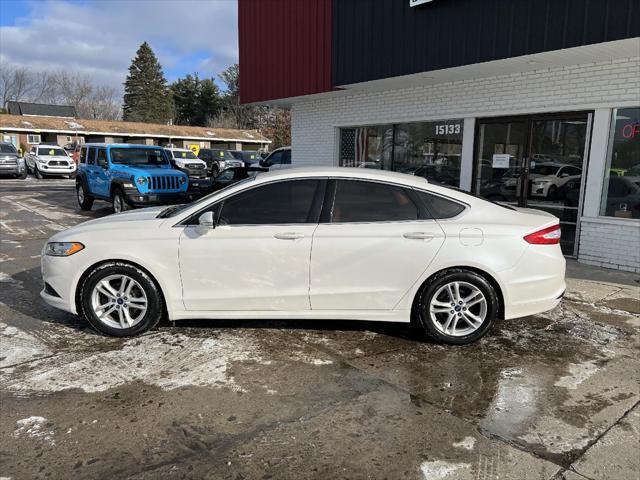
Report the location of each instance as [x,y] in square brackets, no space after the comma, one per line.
[312,243]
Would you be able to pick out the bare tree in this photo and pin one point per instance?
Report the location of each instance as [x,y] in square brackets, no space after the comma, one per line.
[15,83]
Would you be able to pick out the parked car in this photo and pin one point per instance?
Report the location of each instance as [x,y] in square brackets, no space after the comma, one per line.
[249,157]
[217,160]
[234,175]
[548,178]
[128,176]
[386,246]
[49,160]
[11,163]
[279,158]
[186,161]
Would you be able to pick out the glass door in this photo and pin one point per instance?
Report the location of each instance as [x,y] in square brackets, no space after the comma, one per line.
[536,162]
[499,167]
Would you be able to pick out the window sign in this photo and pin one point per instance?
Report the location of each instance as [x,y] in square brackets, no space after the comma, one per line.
[501,160]
[621,188]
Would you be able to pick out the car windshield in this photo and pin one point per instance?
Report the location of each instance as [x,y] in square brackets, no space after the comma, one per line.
[138,156]
[7,148]
[51,152]
[177,209]
[545,169]
[222,155]
[188,154]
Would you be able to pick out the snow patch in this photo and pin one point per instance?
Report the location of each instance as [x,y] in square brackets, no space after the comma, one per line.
[19,347]
[34,427]
[466,443]
[578,373]
[440,470]
[152,359]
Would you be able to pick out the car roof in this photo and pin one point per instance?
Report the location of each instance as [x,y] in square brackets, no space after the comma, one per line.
[121,145]
[175,149]
[346,172]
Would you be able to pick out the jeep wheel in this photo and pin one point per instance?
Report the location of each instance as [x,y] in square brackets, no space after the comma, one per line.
[119,202]
[84,199]
[121,300]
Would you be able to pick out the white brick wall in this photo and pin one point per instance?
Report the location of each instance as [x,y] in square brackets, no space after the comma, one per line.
[595,86]
[575,87]
[610,243]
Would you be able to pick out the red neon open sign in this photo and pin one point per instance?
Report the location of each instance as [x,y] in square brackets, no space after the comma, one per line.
[631,130]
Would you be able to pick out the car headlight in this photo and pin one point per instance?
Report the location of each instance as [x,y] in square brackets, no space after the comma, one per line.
[182,180]
[21,161]
[41,160]
[63,249]
[141,181]
[222,165]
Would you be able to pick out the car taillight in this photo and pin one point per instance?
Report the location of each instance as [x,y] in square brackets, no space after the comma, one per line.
[546,236]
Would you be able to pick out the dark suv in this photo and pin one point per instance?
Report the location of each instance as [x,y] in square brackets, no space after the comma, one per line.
[218,160]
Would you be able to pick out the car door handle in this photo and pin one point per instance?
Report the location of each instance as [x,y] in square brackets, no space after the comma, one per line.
[289,236]
[419,235]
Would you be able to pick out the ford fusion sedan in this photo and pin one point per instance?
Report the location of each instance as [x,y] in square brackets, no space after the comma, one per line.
[49,160]
[324,243]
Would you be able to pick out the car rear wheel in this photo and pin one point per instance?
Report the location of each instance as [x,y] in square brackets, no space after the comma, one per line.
[84,199]
[456,307]
[121,300]
[119,202]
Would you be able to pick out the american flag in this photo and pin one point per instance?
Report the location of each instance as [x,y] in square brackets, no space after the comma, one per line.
[353,146]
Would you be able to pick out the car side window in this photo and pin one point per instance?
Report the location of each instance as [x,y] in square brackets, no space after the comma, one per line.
[440,208]
[83,155]
[275,159]
[361,201]
[101,159]
[276,203]
[91,159]
[204,155]
[286,157]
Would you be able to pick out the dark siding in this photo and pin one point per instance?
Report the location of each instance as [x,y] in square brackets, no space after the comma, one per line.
[285,48]
[375,39]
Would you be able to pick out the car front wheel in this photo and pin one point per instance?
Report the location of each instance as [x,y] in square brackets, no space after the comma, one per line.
[456,307]
[38,173]
[119,202]
[120,300]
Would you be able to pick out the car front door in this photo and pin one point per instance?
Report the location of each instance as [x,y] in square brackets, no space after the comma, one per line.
[257,256]
[374,246]
[101,177]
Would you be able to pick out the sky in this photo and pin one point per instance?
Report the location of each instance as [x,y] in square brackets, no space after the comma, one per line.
[99,38]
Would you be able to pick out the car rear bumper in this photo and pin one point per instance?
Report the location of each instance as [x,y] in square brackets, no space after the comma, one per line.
[536,284]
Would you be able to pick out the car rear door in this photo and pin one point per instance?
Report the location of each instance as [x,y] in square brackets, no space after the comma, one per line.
[373,246]
[257,257]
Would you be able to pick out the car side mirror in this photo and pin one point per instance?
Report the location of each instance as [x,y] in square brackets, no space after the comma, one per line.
[564,175]
[206,220]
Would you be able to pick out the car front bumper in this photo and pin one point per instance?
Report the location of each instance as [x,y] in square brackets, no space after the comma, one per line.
[57,170]
[138,199]
[11,169]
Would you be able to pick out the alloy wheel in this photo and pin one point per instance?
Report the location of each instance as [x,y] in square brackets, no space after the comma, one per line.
[119,301]
[117,204]
[458,309]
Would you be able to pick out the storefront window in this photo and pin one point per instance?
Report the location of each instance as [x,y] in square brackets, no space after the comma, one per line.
[621,188]
[428,149]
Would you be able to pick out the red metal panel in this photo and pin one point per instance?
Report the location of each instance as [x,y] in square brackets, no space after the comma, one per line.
[285,48]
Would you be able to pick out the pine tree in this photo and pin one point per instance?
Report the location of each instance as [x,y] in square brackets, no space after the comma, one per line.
[146,95]
[196,101]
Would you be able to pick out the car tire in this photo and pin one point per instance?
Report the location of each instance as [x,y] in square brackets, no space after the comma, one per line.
[474,315]
[22,176]
[38,173]
[215,170]
[85,200]
[552,194]
[104,307]
[119,202]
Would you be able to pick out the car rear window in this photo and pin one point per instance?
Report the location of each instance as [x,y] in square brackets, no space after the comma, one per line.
[439,207]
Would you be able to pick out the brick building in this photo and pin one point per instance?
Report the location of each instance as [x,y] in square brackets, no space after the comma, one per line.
[532,103]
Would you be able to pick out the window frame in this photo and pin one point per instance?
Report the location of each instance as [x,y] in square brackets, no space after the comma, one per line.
[31,136]
[465,206]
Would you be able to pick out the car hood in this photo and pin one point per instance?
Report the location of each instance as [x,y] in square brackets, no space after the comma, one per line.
[46,158]
[137,219]
[541,178]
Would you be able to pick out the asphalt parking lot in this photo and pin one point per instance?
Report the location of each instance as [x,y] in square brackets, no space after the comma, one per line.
[553,396]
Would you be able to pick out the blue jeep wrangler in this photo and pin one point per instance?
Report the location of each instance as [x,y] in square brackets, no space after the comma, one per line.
[128,176]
